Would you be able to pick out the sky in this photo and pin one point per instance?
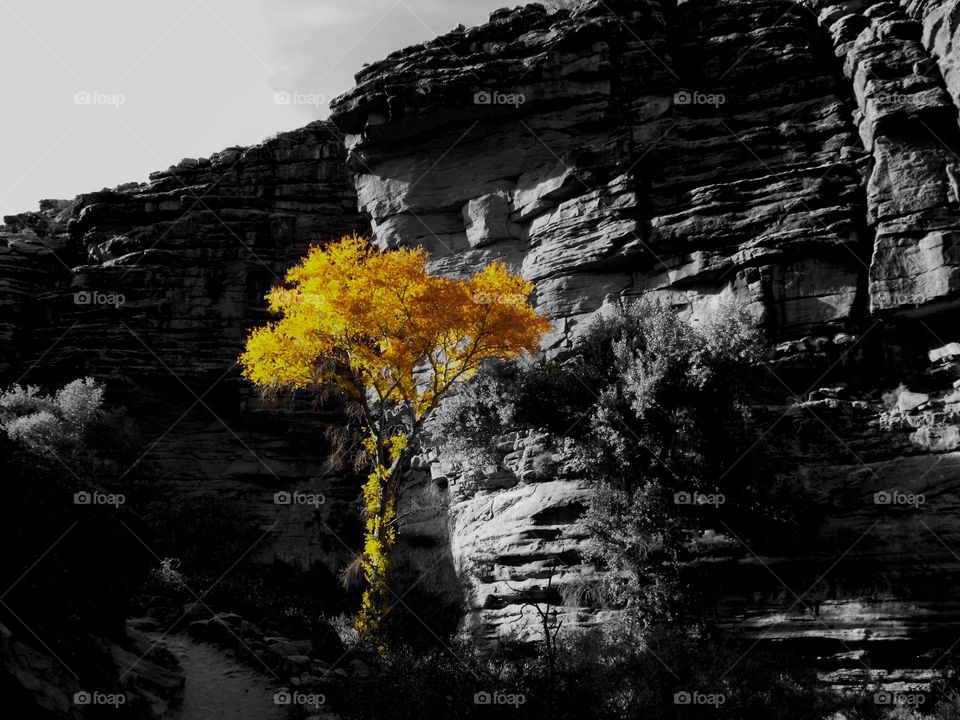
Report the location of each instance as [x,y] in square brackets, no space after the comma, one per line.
[103,92]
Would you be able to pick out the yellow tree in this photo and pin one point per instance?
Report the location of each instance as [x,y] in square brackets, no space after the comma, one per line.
[395,339]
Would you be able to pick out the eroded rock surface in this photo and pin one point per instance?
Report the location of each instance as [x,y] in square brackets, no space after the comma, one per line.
[651,153]
[151,287]
[799,158]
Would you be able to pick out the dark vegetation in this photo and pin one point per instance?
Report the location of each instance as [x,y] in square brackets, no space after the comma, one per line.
[648,405]
[656,410]
[69,570]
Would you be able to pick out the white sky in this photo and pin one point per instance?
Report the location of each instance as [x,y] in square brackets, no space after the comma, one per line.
[179,78]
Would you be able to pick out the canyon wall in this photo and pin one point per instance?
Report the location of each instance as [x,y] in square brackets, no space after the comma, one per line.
[152,286]
[798,158]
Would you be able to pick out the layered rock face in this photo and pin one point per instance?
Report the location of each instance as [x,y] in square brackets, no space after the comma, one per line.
[517,541]
[621,151]
[907,118]
[152,287]
[795,157]
[798,158]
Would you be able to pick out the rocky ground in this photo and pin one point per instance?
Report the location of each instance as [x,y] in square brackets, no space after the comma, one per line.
[299,668]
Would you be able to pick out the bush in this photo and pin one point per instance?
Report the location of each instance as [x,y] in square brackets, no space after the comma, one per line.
[71,425]
[596,676]
[69,569]
[468,421]
[532,393]
[655,406]
[668,421]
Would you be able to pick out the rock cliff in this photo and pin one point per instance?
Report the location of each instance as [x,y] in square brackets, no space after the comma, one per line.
[796,157]
[152,286]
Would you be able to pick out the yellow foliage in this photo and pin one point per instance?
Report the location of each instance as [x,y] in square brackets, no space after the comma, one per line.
[366,319]
[382,328]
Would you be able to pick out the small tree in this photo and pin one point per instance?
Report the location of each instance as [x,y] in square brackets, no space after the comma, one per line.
[394,338]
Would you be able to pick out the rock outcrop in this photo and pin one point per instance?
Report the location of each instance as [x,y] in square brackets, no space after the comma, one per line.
[517,541]
[907,120]
[151,287]
[798,158]
[139,680]
[650,153]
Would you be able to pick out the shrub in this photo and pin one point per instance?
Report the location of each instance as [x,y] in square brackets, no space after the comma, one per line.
[80,402]
[69,568]
[505,396]
[205,533]
[468,421]
[669,418]
[18,400]
[39,431]
[596,676]
[655,406]
[52,423]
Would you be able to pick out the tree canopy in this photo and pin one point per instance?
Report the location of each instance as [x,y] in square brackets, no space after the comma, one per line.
[379,322]
[395,338]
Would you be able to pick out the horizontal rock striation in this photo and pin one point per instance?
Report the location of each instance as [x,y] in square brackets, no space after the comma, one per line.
[863,584]
[152,287]
[656,149]
[908,121]
[798,158]
[517,540]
